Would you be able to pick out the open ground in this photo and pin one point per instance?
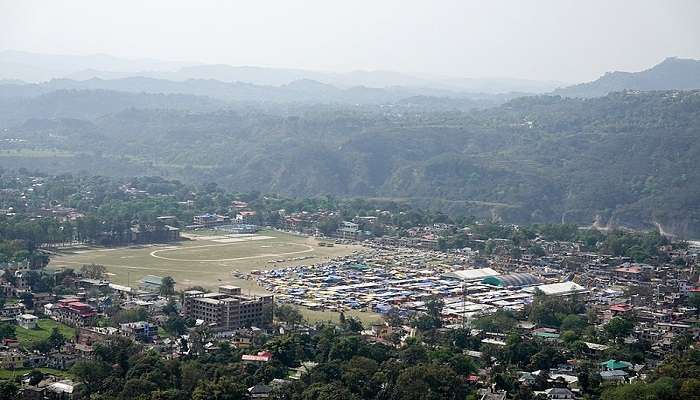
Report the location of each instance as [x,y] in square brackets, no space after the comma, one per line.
[208,259]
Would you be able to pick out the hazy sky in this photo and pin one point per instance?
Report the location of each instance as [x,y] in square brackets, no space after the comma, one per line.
[569,40]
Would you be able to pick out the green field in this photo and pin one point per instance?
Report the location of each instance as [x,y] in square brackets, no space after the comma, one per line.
[207,260]
[367,318]
[11,374]
[29,337]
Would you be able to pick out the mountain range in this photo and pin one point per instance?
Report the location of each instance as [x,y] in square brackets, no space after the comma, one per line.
[246,83]
[31,67]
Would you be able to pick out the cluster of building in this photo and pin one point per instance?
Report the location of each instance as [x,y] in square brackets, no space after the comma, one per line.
[403,278]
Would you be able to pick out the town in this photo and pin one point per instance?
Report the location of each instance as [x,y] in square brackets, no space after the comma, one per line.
[494,310]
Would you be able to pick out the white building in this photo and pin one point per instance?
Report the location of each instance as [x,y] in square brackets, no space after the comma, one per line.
[27,321]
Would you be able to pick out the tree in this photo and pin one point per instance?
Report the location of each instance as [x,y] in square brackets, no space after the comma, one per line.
[328,226]
[353,324]
[221,389]
[573,322]
[332,391]
[8,390]
[694,301]
[428,382]
[91,372]
[502,321]
[176,325]
[619,328]
[27,299]
[167,286]
[170,307]
[133,388]
[434,307]
[690,389]
[93,271]
[7,331]
[35,376]
[288,314]
[536,250]
[56,339]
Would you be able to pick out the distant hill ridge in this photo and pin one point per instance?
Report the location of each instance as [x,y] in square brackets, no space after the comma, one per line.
[303,90]
[32,67]
[672,73]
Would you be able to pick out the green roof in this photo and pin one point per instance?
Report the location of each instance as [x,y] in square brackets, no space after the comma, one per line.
[615,364]
[511,280]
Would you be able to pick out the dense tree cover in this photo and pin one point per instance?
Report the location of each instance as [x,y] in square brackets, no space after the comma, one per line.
[502,321]
[349,368]
[552,311]
[534,159]
[641,247]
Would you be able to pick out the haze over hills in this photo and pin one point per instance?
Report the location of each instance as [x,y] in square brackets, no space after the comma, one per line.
[34,67]
[31,67]
[672,73]
[304,91]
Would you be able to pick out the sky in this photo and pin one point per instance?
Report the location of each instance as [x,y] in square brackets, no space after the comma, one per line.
[562,40]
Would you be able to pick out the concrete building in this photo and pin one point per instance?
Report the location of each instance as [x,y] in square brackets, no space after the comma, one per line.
[141,331]
[475,274]
[27,321]
[348,230]
[209,220]
[74,313]
[228,309]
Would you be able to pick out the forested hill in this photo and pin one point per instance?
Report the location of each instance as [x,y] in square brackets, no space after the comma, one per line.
[628,158]
[299,91]
[672,73]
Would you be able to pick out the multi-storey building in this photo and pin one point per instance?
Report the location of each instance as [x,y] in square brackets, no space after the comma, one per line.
[141,331]
[209,220]
[228,309]
[74,313]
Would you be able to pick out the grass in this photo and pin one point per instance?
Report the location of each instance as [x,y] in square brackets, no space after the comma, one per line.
[208,263]
[312,316]
[29,337]
[204,261]
[10,374]
[162,333]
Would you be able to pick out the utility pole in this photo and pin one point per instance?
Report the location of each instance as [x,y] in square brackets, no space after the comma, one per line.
[464,301]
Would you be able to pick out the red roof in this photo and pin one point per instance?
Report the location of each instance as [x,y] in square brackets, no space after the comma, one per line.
[263,356]
[620,307]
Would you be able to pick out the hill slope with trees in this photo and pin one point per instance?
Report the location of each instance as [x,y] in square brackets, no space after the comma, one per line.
[628,158]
